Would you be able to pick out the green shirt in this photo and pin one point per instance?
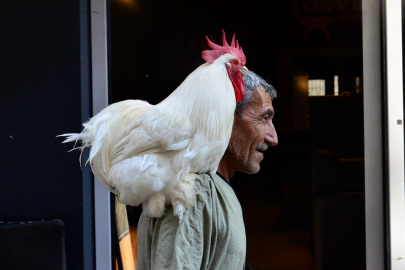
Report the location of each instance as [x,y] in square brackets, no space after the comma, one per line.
[211,235]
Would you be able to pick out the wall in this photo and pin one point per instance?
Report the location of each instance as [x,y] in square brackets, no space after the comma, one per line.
[43,78]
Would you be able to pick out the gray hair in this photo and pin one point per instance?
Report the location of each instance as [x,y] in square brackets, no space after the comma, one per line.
[252,82]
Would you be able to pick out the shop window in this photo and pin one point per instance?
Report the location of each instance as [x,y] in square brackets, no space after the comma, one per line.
[316,87]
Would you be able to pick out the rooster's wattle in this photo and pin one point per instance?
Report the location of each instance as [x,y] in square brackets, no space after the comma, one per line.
[150,154]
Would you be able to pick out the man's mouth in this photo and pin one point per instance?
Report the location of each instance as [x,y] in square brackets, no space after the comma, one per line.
[262,147]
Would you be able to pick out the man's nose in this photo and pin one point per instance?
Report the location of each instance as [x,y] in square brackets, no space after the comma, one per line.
[271,137]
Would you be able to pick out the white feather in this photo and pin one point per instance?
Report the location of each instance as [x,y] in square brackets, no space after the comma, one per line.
[149,154]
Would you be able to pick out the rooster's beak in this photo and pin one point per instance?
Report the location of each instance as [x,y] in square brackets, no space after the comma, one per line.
[244,68]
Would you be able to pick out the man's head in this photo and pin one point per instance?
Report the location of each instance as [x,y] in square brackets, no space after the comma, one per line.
[253,129]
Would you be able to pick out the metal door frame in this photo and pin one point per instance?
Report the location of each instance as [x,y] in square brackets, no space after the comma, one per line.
[383,134]
[394,135]
[102,196]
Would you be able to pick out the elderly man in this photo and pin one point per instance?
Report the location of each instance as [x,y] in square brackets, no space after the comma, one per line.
[212,233]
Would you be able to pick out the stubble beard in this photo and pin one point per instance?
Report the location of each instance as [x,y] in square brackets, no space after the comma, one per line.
[246,161]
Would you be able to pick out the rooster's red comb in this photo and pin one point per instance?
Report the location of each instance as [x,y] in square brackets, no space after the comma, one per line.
[217,51]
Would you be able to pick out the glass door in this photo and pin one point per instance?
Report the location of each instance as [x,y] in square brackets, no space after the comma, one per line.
[338,116]
[305,209]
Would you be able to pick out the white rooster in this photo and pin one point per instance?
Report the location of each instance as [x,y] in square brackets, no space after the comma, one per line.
[150,154]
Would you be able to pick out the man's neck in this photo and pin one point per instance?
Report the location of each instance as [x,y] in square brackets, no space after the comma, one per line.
[225,169]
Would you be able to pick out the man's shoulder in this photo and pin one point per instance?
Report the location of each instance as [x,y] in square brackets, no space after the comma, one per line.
[202,189]
[214,182]
[208,188]
[211,183]
[205,178]
[203,182]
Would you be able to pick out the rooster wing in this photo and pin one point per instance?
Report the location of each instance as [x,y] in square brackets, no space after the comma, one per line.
[153,132]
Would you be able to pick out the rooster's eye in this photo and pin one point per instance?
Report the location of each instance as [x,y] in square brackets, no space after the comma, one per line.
[235,62]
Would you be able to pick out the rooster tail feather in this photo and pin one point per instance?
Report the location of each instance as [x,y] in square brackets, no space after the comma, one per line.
[71,137]
[104,130]
[75,137]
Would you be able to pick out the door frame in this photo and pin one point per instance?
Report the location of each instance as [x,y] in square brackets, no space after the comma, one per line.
[383,133]
[102,196]
[394,132]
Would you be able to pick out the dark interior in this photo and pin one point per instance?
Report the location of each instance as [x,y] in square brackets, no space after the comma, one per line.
[45,86]
[305,208]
